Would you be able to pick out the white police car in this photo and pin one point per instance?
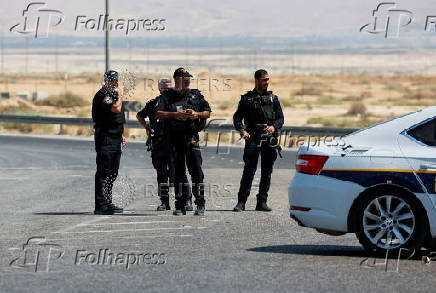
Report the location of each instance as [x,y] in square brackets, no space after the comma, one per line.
[379,183]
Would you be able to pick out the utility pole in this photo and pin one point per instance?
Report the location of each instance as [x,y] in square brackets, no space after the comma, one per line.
[186,52]
[2,51]
[107,41]
[56,53]
[26,40]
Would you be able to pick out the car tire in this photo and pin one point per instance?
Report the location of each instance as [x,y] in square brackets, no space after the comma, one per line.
[390,220]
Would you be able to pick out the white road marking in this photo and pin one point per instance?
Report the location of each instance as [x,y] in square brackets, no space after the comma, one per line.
[118,237]
[84,223]
[22,168]
[125,223]
[125,230]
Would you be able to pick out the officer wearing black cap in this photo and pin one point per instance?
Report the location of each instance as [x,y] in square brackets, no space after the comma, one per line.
[185,110]
[108,117]
[262,115]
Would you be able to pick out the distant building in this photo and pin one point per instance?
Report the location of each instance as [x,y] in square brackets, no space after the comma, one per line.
[37,96]
[23,95]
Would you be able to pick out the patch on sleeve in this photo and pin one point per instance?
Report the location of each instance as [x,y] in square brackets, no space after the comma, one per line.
[108,100]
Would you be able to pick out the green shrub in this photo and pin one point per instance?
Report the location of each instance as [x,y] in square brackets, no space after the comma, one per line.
[327,100]
[357,109]
[226,105]
[310,89]
[395,86]
[22,108]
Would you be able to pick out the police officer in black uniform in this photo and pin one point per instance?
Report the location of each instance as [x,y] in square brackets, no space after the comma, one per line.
[185,111]
[108,117]
[194,160]
[157,143]
[262,115]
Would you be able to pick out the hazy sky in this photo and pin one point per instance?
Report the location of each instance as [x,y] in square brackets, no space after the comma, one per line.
[286,18]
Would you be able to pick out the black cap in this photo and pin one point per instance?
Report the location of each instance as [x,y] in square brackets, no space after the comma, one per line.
[181,72]
[111,75]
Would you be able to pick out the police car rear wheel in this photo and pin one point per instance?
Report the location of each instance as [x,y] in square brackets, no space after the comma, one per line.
[388,221]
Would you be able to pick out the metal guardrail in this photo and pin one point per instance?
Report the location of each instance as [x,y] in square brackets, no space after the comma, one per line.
[213,125]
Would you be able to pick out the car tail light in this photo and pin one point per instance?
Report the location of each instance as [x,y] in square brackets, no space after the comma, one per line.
[310,164]
[295,208]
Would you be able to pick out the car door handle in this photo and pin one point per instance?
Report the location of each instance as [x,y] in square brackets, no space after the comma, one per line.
[428,168]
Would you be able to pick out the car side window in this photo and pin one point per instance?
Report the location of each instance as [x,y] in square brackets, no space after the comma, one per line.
[425,133]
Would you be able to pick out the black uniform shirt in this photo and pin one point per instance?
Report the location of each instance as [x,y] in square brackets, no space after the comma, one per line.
[108,122]
[149,112]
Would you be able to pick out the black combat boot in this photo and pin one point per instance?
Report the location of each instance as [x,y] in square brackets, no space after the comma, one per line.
[179,212]
[103,210]
[239,207]
[117,210]
[165,205]
[262,206]
[199,211]
[242,199]
[180,208]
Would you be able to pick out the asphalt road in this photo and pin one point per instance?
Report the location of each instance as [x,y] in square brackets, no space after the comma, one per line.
[51,242]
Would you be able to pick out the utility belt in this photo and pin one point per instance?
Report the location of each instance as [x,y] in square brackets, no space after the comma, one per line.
[106,132]
[157,143]
[257,132]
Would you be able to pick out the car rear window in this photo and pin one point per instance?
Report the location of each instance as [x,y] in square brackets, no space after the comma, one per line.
[384,122]
[425,132]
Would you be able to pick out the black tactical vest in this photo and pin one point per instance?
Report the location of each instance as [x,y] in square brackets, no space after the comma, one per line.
[267,107]
[261,109]
[188,102]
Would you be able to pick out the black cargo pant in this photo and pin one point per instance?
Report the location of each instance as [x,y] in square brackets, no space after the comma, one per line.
[194,162]
[163,163]
[253,148]
[185,154]
[108,162]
